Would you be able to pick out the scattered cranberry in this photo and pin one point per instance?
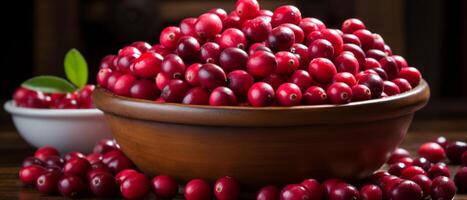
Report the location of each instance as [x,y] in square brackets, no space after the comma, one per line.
[226,188]
[124,174]
[73,154]
[398,154]
[442,188]
[164,187]
[46,151]
[294,192]
[77,166]
[455,150]
[135,186]
[329,184]
[423,163]
[104,146]
[343,191]
[442,141]
[438,169]
[432,151]
[405,190]
[397,168]
[197,189]
[424,182]
[32,161]
[28,175]
[461,179]
[269,193]
[72,186]
[103,185]
[411,171]
[47,183]
[371,192]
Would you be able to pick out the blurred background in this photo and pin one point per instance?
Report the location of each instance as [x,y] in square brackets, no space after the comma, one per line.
[430,34]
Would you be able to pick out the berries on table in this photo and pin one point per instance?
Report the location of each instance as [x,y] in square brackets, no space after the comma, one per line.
[164,187]
[197,189]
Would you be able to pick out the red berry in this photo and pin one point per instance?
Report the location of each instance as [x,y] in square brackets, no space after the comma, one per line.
[397,168]
[28,175]
[233,59]
[398,154]
[403,84]
[261,94]
[407,160]
[257,29]
[432,151]
[123,85]
[423,163]
[405,190]
[401,62]
[294,192]
[97,169]
[72,186]
[424,182]
[169,37]
[44,152]
[275,80]
[209,53]
[125,62]
[164,187]
[390,88]
[124,174]
[221,13]
[287,62]
[261,64]
[239,82]
[144,89]
[107,62]
[360,93]
[461,179]
[412,75]
[343,191]
[372,81]
[222,96]
[442,188]
[247,9]
[371,192]
[112,80]
[315,95]
[375,54]
[351,39]
[188,48]
[390,67]
[197,96]
[158,48]
[411,171]
[371,63]
[104,146]
[208,25]
[53,161]
[197,189]
[387,50]
[357,52]
[135,186]
[103,185]
[281,38]
[103,76]
[329,184]
[143,47]
[455,150]
[211,76]
[288,94]
[173,67]
[345,77]
[129,50]
[333,36]
[191,74]
[320,48]
[32,161]
[47,183]
[339,93]
[77,166]
[438,169]
[286,14]
[187,27]
[322,70]
[232,22]
[232,37]
[301,51]
[442,141]
[378,42]
[226,188]
[314,188]
[301,78]
[298,32]
[175,91]
[351,25]
[366,38]
[268,193]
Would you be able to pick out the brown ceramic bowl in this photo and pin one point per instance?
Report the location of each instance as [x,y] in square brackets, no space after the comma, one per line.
[257,146]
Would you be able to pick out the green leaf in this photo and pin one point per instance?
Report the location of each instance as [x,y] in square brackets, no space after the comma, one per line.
[76,68]
[49,84]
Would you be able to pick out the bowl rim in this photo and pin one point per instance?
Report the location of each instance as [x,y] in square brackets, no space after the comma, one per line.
[11,108]
[375,109]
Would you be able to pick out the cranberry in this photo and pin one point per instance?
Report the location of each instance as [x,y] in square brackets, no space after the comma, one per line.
[143,47]
[398,154]
[107,62]
[375,54]
[76,166]
[442,188]
[371,63]
[405,190]
[424,182]
[232,37]
[258,47]
[314,188]
[160,49]
[320,48]
[345,77]
[135,186]
[301,51]
[374,82]
[103,185]
[169,37]
[371,192]
[197,96]
[403,84]
[32,161]
[455,150]
[281,38]
[343,191]
[28,175]
[366,38]
[390,67]
[208,25]
[188,48]
[44,152]
[387,50]
[357,52]
[53,161]
[412,75]
[124,174]
[397,168]
[261,94]
[124,84]
[66,103]
[104,146]
[129,50]
[302,79]
[316,21]
[377,176]
[351,39]
[407,161]
[461,179]
[144,89]
[72,186]
[315,95]
[125,62]
[275,80]
[351,25]
[423,163]
[336,40]
[322,70]
[211,76]
[197,189]
[173,66]
[47,183]
[257,29]
[411,171]
[339,93]
[84,96]
[226,188]
[187,26]
[247,9]
[164,187]
[175,91]
[261,64]
[232,22]
[294,192]
[267,13]
[287,62]
[432,151]
[147,65]
[390,88]
[288,94]
[191,75]
[286,14]
[378,42]
[232,59]
[239,82]
[387,183]
[329,184]
[221,13]
[268,193]
[298,32]
[438,169]
[401,62]
[94,171]
[222,96]
[112,80]
[210,52]
[360,93]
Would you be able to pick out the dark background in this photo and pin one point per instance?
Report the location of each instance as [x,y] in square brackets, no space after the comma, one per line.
[431,34]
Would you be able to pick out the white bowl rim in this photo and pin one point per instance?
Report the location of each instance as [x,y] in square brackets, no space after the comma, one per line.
[11,108]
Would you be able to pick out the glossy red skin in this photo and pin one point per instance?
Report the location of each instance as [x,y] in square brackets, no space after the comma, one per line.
[302,79]
[287,62]
[438,169]
[281,38]
[226,188]
[461,180]
[125,62]
[442,188]
[286,14]
[339,93]
[43,152]
[187,26]
[396,168]
[143,47]
[105,145]
[298,32]
[366,38]
[103,185]
[412,75]
[124,174]
[344,191]
[261,64]
[403,84]
[423,163]
[357,52]
[107,62]
[112,80]
[54,161]
[275,80]
[158,48]
[169,37]
[335,39]
[135,186]
[314,188]
[123,85]
[454,151]
[28,161]
[315,95]
[301,51]
[424,182]
[28,175]
[247,9]
[374,82]
[164,187]
[360,93]
[94,171]
[261,94]
[345,77]
[72,186]
[221,13]
[378,42]
[346,62]
[77,166]
[232,22]
[390,67]
[211,76]
[210,52]
[129,50]
[188,48]
[307,26]
[47,182]
[371,192]
[405,190]
[351,39]
[239,82]
[232,59]
[103,76]
[329,184]
[222,96]
[320,48]
[351,25]
[432,151]
[197,96]
[411,171]
[269,193]
[294,192]
[144,89]
[322,70]
[288,94]
[401,62]
[391,88]
[173,66]
[232,37]
[208,25]
[397,154]
[197,189]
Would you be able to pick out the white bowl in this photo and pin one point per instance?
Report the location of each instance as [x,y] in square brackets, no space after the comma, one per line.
[65,129]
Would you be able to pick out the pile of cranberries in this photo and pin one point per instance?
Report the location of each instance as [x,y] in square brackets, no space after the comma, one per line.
[254,57]
[80,99]
[107,172]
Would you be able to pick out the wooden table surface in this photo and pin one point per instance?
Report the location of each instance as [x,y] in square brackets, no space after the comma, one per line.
[13,149]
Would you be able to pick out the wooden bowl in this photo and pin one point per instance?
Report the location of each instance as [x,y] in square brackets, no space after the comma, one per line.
[258,146]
